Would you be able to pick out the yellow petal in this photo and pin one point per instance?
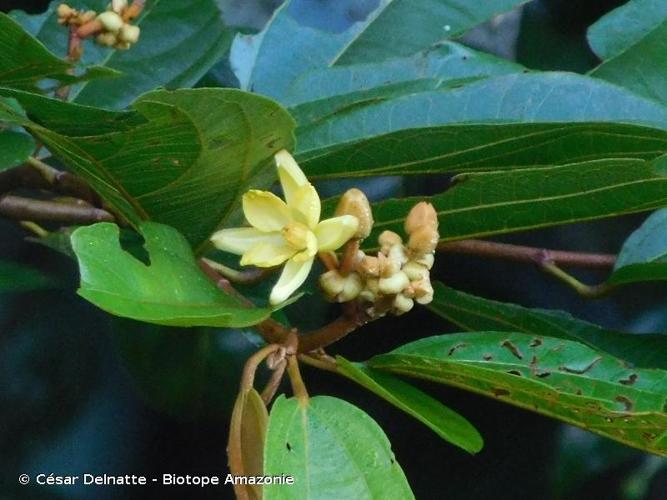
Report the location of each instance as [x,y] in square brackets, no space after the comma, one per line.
[335,232]
[265,211]
[293,275]
[305,206]
[267,255]
[291,176]
[240,240]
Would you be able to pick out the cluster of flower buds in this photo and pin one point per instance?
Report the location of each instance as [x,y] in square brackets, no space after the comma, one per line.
[111,28]
[399,274]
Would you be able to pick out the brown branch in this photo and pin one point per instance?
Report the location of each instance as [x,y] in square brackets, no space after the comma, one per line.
[19,208]
[351,319]
[533,255]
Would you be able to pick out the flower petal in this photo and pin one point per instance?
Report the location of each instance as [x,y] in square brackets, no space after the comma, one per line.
[310,250]
[291,176]
[293,275]
[305,206]
[335,232]
[265,211]
[240,240]
[267,254]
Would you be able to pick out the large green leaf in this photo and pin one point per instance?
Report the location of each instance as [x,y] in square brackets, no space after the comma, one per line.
[170,290]
[24,61]
[333,450]
[641,67]
[442,420]
[18,278]
[181,159]
[482,204]
[15,147]
[644,254]
[476,314]
[623,27]
[555,377]
[271,61]
[519,121]
[179,42]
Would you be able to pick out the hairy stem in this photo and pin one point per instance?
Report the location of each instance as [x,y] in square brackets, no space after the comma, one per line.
[27,209]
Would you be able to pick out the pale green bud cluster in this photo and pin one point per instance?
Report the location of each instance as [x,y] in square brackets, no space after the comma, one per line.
[116,32]
[399,275]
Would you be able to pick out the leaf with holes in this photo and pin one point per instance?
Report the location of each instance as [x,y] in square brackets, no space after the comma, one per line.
[555,377]
[181,158]
[508,121]
[644,254]
[445,422]
[483,204]
[270,62]
[169,290]
[476,313]
[332,449]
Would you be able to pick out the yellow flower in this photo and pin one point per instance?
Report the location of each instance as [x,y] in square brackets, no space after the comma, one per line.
[287,231]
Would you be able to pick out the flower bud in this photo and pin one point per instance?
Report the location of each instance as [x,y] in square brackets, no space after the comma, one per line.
[423,291]
[111,21]
[369,266]
[65,11]
[393,284]
[120,45]
[388,239]
[107,39]
[332,284]
[118,6]
[427,260]
[422,214]
[354,202]
[373,286]
[129,33]
[87,16]
[415,271]
[397,253]
[388,267]
[423,240]
[402,304]
[367,296]
[351,288]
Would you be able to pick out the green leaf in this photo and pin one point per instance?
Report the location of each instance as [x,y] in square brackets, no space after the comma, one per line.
[476,313]
[511,121]
[171,290]
[623,27]
[644,254]
[182,158]
[18,278]
[483,204]
[24,61]
[555,377]
[641,67]
[270,62]
[332,450]
[445,422]
[179,43]
[15,147]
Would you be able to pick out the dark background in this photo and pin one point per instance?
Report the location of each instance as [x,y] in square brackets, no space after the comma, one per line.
[80,393]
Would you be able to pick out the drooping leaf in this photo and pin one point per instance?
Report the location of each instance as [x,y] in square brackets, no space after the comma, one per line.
[270,62]
[644,254]
[181,158]
[15,147]
[332,450]
[483,204]
[642,67]
[445,422]
[476,314]
[24,61]
[247,435]
[555,377]
[170,290]
[179,42]
[511,121]
[18,278]
[623,27]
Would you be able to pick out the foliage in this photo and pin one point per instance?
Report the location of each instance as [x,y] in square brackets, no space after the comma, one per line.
[151,167]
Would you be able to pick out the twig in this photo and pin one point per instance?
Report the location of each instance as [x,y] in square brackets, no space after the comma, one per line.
[27,209]
[318,362]
[351,319]
[64,182]
[587,291]
[274,382]
[250,367]
[298,387]
[534,255]
[35,229]
[328,260]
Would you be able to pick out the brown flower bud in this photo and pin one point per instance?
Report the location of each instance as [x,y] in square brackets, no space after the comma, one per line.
[423,291]
[332,283]
[394,284]
[423,240]
[388,239]
[369,266]
[387,267]
[351,288]
[354,202]
[415,271]
[397,253]
[65,12]
[422,214]
[427,260]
